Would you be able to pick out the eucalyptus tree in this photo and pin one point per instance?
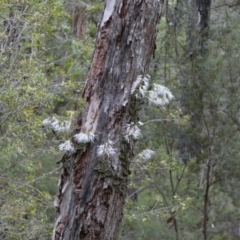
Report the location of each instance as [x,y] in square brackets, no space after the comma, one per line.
[93,183]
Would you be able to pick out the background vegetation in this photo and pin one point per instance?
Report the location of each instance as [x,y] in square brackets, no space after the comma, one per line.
[179,193]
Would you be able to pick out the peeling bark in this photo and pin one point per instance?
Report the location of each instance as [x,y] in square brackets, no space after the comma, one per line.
[90,202]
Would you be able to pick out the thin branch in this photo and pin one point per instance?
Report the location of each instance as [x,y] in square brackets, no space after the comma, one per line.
[226,4]
[34,180]
[157,120]
[206,200]
[138,190]
[179,179]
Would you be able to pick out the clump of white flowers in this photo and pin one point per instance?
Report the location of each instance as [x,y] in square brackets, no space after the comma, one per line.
[160,95]
[106,149]
[67,147]
[146,154]
[56,125]
[132,131]
[140,86]
[84,137]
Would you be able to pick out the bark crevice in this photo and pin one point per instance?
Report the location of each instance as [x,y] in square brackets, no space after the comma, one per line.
[124,46]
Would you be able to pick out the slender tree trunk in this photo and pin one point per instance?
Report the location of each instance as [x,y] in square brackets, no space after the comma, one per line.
[203,7]
[193,86]
[92,188]
[193,91]
[79,21]
[206,199]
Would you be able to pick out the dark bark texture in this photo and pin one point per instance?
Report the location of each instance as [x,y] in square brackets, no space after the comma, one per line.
[92,189]
[199,14]
[203,7]
[193,87]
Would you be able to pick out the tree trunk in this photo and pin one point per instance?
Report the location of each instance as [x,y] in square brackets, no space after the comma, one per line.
[193,87]
[79,22]
[92,188]
[191,141]
[203,22]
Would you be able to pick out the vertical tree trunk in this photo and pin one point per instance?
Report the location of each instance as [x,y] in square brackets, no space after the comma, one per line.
[79,22]
[193,91]
[193,88]
[203,7]
[93,188]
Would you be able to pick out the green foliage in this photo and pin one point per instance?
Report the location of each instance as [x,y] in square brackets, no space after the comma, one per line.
[208,86]
[42,74]
[43,70]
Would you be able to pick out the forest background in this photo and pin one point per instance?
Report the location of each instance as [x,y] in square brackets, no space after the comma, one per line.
[189,188]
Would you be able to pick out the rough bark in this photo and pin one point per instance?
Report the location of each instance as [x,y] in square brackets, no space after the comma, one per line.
[91,199]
